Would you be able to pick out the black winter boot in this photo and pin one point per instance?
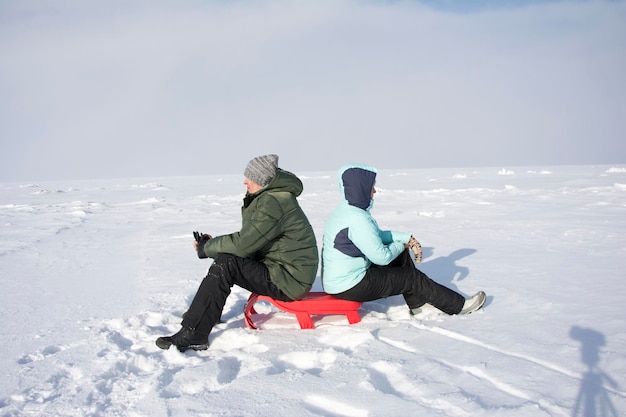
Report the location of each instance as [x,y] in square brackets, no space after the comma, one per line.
[185,339]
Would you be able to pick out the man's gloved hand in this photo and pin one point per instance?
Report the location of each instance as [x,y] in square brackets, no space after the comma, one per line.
[201,239]
[416,248]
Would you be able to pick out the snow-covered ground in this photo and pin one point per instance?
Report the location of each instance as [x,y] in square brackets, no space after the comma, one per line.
[91,272]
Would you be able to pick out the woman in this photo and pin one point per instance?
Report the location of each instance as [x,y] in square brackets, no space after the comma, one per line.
[274,253]
[360,262]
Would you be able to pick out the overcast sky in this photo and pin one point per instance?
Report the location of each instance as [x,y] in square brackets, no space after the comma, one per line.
[105,89]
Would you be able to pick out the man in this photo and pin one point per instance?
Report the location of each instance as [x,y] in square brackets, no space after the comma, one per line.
[360,262]
[274,254]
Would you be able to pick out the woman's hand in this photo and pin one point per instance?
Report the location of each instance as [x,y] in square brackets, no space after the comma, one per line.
[416,248]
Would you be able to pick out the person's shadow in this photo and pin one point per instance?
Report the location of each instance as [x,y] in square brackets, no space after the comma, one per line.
[445,269]
[592,399]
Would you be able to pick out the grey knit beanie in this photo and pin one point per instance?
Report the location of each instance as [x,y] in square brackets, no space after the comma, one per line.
[262,169]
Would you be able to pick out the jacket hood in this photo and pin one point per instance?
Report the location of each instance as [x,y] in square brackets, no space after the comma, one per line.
[282,181]
[285,181]
[355,184]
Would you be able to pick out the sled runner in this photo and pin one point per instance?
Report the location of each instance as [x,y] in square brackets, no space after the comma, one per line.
[314,303]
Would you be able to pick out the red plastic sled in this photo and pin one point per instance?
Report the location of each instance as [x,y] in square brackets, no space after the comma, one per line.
[313,303]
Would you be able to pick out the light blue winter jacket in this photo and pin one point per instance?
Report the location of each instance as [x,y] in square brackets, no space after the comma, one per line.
[352,239]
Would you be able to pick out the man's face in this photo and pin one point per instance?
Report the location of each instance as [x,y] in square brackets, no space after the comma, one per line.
[251,186]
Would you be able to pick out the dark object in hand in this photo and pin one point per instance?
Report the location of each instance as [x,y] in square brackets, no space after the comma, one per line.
[201,239]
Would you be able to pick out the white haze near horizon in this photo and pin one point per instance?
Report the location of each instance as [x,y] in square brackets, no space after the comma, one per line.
[116,89]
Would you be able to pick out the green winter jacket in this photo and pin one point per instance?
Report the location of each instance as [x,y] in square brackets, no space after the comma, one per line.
[276,232]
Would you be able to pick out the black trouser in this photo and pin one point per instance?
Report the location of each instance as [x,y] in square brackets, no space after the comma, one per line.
[227,270]
[401,277]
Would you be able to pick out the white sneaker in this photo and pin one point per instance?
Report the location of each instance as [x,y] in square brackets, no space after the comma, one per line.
[426,312]
[474,303]
[416,311]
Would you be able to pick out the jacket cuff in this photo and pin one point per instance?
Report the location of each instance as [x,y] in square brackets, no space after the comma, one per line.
[401,237]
